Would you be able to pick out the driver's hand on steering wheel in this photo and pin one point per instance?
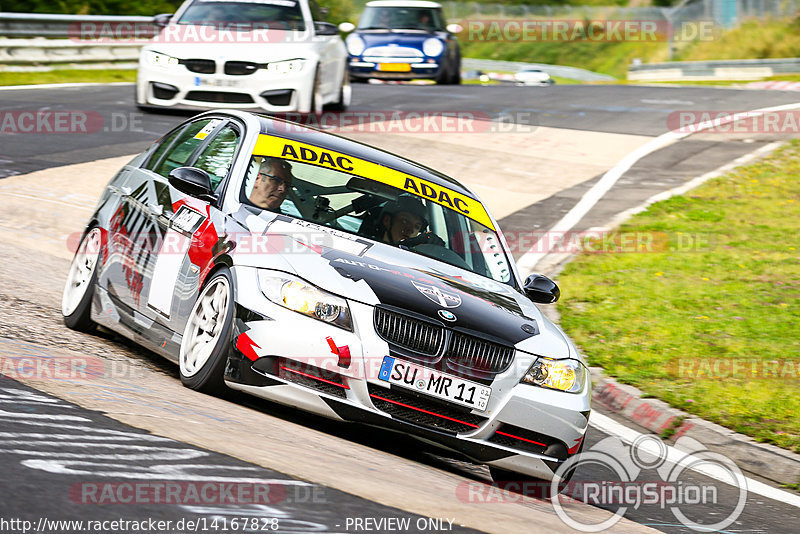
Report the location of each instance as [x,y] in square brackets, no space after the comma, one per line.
[426,238]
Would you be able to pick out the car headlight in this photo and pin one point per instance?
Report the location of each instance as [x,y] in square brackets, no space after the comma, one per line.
[286,67]
[355,44]
[563,375]
[158,59]
[302,297]
[432,47]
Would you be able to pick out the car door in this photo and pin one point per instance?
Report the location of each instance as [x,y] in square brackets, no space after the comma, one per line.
[193,232]
[332,56]
[132,234]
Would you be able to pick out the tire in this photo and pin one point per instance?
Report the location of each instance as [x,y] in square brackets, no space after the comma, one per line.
[455,77]
[344,95]
[76,302]
[444,77]
[316,97]
[206,340]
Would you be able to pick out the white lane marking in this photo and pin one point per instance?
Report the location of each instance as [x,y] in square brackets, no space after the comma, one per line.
[62,85]
[691,184]
[609,426]
[167,454]
[13,415]
[173,472]
[35,435]
[657,101]
[528,262]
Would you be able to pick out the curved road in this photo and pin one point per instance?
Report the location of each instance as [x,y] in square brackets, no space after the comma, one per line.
[327,477]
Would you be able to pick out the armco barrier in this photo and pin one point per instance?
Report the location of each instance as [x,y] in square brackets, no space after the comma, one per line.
[31,40]
[18,25]
[19,52]
[734,69]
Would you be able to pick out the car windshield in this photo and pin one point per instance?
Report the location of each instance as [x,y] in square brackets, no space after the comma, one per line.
[282,14]
[375,211]
[415,18]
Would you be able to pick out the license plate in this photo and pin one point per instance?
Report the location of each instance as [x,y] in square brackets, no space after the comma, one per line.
[394,67]
[433,383]
[215,82]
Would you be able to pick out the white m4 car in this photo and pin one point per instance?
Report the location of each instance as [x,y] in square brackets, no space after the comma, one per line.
[271,55]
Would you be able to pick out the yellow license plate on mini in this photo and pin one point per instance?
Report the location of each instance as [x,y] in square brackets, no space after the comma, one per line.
[394,67]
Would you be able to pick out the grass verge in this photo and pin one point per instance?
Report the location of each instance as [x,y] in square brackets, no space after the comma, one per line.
[753,39]
[707,321]
[68,76]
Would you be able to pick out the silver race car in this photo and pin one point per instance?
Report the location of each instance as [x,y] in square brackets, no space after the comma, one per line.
[318,272]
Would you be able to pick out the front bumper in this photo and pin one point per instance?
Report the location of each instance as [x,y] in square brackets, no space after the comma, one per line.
[178,88]
[292,359]
[374,68]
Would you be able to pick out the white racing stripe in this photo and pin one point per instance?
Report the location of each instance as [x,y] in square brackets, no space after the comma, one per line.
[628,435]
[528,262]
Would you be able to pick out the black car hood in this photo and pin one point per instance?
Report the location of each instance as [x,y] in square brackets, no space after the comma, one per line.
[425,291]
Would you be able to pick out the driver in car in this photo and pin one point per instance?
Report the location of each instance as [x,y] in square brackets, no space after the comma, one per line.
[272,184]
[403,219]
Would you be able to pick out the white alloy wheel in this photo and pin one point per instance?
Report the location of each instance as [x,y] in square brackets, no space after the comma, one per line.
[81,272]
[205,326]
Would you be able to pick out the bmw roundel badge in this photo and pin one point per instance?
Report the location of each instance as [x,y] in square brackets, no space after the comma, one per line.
[447,315]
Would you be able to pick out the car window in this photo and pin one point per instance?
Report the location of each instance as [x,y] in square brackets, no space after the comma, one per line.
[281,14]
[216,158]
[367,208]
[160,146]
[415,18]
[184,146]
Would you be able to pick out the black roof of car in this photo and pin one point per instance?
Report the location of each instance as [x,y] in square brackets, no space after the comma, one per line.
[326,140]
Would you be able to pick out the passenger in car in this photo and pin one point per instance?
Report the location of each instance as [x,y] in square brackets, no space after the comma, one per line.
[272,184]
[403,219]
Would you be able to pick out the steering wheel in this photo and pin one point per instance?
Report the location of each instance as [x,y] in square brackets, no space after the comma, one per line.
[427,238]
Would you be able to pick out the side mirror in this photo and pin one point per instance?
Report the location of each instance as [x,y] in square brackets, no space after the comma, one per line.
[541,289]
[454,28]
[325,28]
[162,20]
[192,181]
[346,27]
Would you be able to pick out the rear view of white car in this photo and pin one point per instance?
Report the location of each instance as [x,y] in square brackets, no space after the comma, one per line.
[271,55]
[532,76]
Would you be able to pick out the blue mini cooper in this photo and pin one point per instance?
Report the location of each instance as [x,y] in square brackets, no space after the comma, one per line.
[403,40]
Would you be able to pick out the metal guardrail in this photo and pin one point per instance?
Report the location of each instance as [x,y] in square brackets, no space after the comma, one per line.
[15,53]
[741,69]
[32,41]
[59,26]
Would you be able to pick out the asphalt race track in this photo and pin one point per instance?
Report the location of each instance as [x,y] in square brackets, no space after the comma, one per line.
[63,442]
